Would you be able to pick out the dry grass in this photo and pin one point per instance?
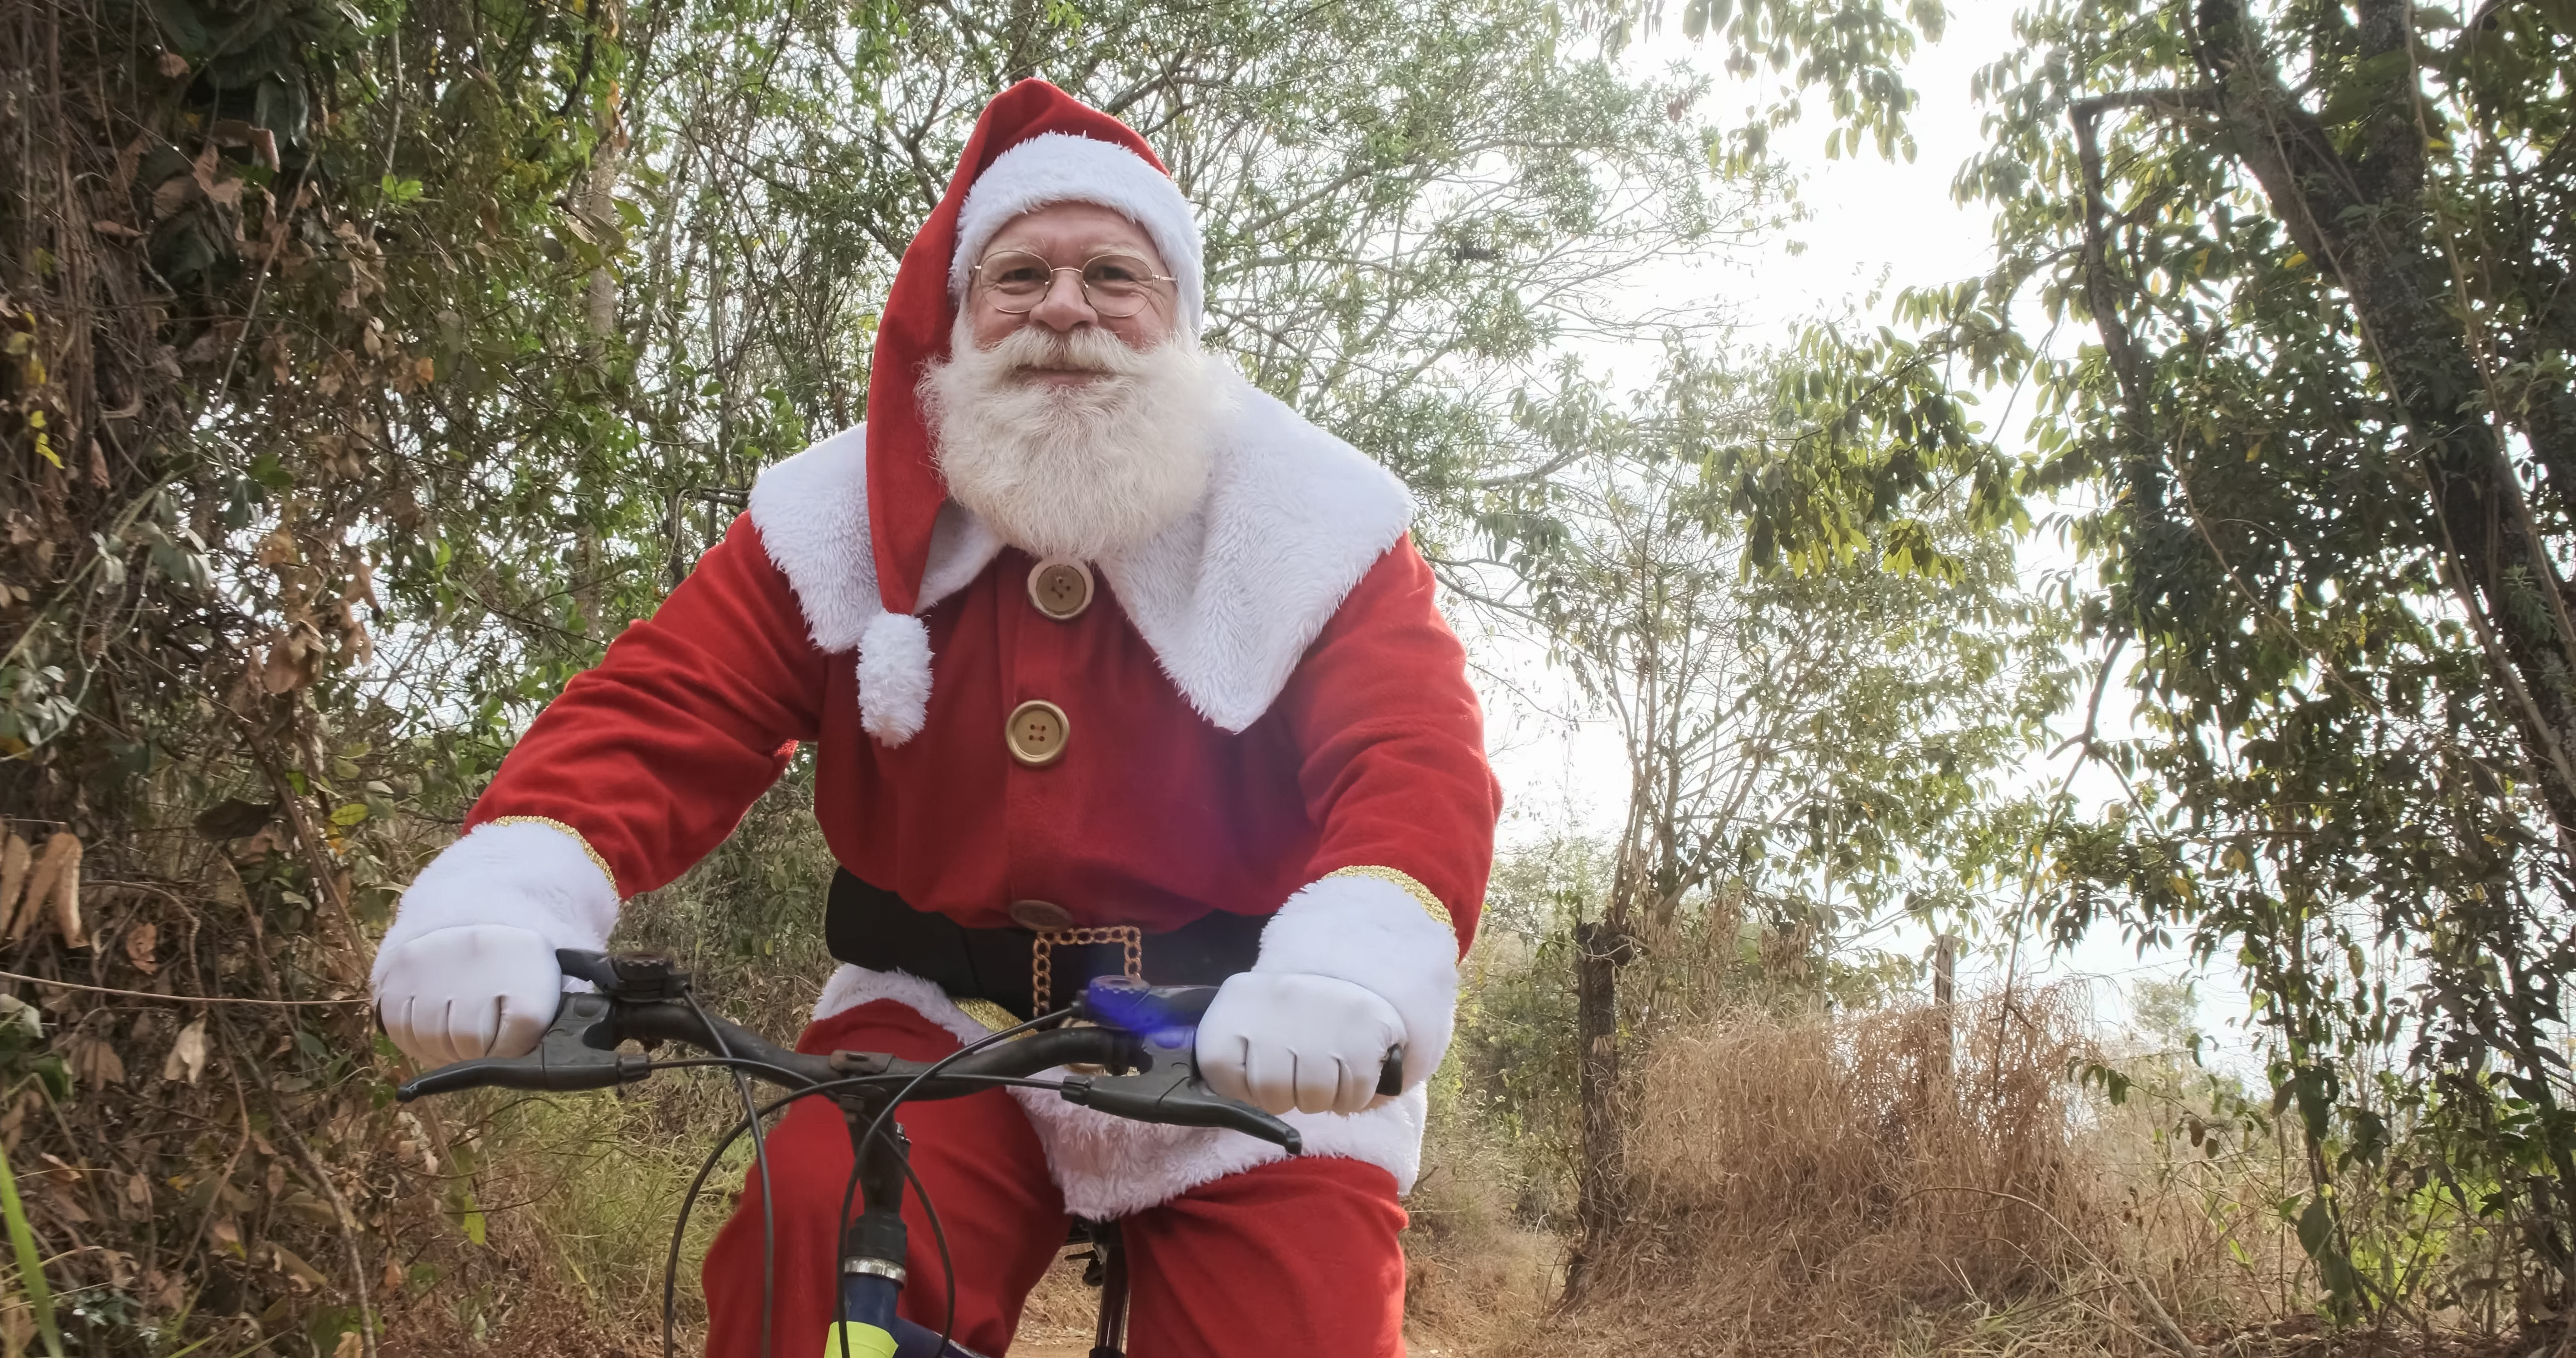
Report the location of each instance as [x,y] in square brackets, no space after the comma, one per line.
[1874,1184]
[1824,1173]
[1474,1279]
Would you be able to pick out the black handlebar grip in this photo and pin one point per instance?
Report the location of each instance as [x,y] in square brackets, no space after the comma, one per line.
[530,1072]
[1390,1077]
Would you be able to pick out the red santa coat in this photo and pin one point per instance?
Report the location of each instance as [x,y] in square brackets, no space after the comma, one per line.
[1262,709]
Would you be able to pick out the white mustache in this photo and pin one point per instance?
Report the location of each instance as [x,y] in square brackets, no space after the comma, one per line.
[1088,349]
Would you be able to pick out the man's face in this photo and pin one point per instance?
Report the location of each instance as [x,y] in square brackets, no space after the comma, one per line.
[1067,235]
[1070,429]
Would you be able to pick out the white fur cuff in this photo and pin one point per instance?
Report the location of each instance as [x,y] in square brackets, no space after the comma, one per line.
[1373,934]
[527,874]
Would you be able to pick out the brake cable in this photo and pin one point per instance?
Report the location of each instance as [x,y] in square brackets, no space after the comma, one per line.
[760,1158]
[706,1169]
[850,1190]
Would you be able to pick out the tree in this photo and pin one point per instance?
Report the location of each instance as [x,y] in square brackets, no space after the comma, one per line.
[230,308]
[1818,752]
[2322,252]
[368,366]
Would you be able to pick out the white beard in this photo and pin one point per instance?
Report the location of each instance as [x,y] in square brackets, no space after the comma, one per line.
[1086,471]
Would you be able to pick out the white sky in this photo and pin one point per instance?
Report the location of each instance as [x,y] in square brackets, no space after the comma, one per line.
[1868,220]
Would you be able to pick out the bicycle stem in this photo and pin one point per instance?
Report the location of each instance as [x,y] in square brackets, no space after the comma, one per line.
[873,1244]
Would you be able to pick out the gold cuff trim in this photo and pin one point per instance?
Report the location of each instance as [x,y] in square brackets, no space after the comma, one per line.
[1402,882]
[551,823]
[989,1014]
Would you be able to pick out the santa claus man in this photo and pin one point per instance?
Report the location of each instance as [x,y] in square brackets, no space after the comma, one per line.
[1113,664]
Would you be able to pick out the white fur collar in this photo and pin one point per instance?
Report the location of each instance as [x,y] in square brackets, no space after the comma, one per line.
[1229,597]
[812,511]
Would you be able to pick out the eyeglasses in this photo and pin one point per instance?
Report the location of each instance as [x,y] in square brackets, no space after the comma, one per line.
[1116,284]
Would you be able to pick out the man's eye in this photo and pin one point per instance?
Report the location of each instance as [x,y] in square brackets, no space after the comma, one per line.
[1118,271]
[1015,271]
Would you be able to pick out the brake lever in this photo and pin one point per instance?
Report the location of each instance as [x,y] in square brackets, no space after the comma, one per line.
[578,1051]
[1169,1091]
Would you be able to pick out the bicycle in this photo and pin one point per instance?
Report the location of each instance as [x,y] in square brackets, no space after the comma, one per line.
[1139,1040]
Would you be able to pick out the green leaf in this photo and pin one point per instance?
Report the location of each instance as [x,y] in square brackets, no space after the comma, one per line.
[31,1268]
[2364,88]
[2316,1227]
[462,1206]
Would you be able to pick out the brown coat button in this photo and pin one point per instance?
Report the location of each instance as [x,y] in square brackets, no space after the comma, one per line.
[1040,915]
[1037,732]
[1060,588]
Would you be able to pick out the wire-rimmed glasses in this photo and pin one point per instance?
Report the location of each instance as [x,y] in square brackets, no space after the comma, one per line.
[1116,283]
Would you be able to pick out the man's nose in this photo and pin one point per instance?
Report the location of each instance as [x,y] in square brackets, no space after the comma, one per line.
[1065,307]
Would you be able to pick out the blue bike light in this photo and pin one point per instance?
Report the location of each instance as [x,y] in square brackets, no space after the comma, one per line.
[1160,1014]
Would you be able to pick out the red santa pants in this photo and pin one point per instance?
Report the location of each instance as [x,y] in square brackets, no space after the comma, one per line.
[1296,1257]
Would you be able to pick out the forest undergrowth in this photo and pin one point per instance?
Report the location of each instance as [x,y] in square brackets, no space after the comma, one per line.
[1908,1179]
[1900,1178]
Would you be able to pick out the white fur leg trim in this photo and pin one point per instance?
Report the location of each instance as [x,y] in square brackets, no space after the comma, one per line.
[1109,1167]
[1058,167]
[526,874]
[894,677]
[1371,933]
[850,987]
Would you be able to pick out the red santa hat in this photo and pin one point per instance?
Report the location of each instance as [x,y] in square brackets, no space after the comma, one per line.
[1034,145]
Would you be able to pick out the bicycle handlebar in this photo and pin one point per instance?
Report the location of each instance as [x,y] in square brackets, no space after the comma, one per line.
[1144,1043]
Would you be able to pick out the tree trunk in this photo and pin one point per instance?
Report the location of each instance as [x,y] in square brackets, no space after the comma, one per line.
[2365,221]
[599,211]
[1599,952]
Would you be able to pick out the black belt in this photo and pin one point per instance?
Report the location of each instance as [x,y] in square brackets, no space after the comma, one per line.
[869,926]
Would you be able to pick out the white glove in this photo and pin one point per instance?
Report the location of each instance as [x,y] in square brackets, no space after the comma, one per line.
[1289,1040]
[468,990]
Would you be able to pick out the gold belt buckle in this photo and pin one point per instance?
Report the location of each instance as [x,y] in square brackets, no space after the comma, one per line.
[1042,956]
[1042,966]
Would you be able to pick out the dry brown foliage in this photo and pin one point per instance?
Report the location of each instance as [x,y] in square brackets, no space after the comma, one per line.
[1474,1277]
[220,1165]
[1907,1180]
[1854,1161]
